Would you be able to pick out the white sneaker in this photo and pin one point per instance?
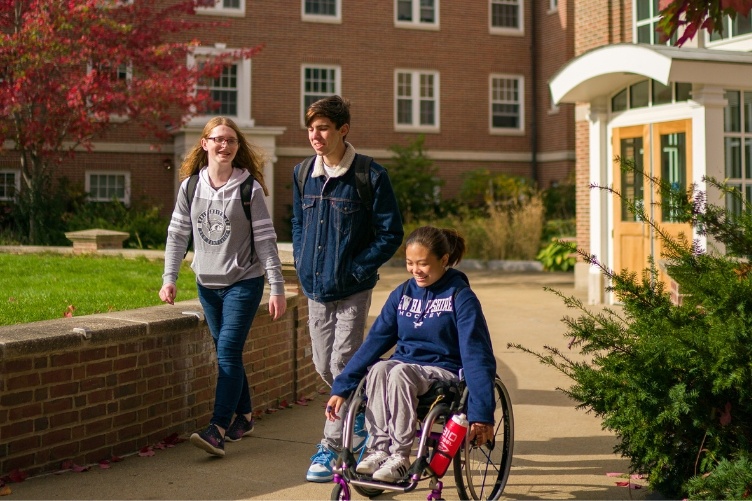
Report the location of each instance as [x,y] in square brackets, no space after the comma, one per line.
[371,462]
[393,469]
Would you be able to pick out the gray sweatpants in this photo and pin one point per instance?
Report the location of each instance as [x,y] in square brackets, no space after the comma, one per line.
[336,330]
[393,388]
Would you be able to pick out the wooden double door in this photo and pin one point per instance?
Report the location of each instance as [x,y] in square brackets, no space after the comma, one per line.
[660,150]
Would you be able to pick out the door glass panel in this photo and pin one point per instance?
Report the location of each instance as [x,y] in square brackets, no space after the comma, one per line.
[632,180]
[673,170]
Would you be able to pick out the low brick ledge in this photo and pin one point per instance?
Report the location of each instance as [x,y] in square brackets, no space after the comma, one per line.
[87,330]
[92,387]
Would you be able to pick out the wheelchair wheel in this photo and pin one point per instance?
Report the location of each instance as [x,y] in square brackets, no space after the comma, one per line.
[339,494]
[481,472]
[367,491]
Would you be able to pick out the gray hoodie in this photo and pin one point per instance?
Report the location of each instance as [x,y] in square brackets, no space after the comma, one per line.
[221,235]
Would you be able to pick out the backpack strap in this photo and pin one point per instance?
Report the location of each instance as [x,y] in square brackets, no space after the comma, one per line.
[363,180]
[246,189]
[362,168]
[190,192]
[303,172]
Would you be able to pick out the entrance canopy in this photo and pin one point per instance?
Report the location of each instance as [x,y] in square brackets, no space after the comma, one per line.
[602,71]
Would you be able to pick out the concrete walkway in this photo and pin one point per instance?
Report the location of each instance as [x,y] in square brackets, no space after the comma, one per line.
[559,453]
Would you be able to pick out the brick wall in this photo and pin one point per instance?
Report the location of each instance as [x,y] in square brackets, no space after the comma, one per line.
[127,380]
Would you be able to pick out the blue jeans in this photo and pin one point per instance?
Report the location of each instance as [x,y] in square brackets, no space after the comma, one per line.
[229,313]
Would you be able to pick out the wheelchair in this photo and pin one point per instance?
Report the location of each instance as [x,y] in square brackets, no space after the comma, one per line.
[480,471]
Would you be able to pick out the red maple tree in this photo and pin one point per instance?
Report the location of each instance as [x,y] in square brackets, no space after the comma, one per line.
[694,15]
[70,70]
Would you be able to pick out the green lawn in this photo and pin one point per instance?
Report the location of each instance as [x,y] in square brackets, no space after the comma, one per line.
[43,286]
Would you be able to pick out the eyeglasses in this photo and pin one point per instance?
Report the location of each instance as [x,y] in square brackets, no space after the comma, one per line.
[231,141]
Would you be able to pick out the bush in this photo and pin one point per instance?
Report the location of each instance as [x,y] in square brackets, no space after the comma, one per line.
[557,256]
[673,382]
[505,233]
[481,189]
[415,181]
[69,210]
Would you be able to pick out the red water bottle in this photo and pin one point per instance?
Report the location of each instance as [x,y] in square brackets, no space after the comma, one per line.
[451,439]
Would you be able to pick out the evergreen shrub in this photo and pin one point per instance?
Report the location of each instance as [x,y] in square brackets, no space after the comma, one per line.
[673,381]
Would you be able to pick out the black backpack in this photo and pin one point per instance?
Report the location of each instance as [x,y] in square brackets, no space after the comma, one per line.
[245,196]
[362,168]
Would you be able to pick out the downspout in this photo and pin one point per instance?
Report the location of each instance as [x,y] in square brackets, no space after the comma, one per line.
[534,101]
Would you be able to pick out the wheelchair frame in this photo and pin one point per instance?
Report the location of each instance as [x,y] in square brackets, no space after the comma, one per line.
[492,466]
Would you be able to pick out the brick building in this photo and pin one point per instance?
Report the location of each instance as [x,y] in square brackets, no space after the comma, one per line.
[472,77]
[679,113]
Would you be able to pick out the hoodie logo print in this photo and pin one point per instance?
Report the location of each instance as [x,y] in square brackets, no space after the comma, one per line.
[213,227]
[413,308]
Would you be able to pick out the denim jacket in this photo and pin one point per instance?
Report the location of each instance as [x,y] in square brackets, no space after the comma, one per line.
[338,245]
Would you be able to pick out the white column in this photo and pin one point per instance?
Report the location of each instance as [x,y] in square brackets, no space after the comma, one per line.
[599,199]
[708,103]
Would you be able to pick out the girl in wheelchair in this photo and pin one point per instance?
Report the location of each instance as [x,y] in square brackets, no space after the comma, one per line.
[437,324]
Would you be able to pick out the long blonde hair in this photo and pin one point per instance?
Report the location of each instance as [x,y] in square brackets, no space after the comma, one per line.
[248,157]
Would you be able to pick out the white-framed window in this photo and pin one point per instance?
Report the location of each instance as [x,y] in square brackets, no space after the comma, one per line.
[119,76]
[224,91]
[422,14]
[10,184]
[647,16]
[507,103]
[505,17]
[738,27]
[416,100]
[321,11]
[106,186]
[737,145]
[120,73]
[553,6]
[230,8]
[317,82]
[650,93]
[231,89]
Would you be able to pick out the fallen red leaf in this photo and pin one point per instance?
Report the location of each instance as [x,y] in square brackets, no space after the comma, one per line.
[16,476]
[146,452]
[622,484]
[115,459]
[104,464]
[302,401]
[283,404]
[173,439]
[271,411]
[70,465]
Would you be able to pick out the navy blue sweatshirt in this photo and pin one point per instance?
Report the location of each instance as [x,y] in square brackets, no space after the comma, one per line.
[429,329]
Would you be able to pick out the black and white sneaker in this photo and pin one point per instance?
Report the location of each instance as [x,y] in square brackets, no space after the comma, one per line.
[372,462]
[393,470]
